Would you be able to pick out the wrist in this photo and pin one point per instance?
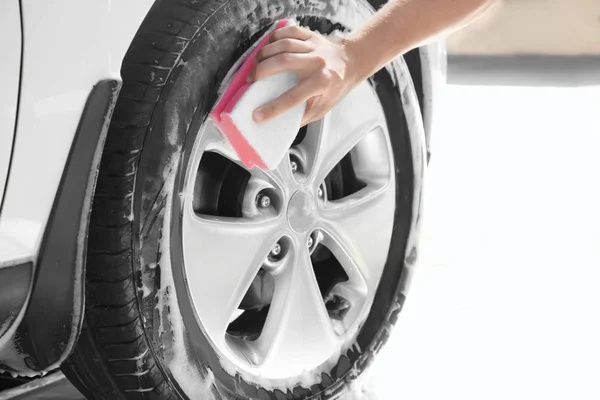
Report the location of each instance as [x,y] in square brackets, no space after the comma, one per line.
[357,69]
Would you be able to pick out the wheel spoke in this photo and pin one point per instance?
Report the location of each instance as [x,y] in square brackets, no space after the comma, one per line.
[281,176]
[217,142]
[327,141]
[223,255]
[298,333]
[357,230]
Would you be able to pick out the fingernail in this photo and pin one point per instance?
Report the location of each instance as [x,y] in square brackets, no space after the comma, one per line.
[259,115]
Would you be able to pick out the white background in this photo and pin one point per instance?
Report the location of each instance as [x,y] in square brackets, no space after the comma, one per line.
[506,299]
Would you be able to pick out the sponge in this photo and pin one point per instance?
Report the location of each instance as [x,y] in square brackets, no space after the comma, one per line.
[257,144]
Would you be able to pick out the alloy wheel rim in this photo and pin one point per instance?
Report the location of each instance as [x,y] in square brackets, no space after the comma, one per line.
[285,217]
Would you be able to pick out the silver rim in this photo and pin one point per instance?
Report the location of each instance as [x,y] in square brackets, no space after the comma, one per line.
[287,217]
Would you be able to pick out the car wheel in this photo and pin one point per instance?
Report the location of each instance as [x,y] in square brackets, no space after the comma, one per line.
[207,280]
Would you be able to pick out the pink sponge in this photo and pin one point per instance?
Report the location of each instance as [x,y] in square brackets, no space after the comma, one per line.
[263,145]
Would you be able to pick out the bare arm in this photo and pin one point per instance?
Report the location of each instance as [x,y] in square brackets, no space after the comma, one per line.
[402,25]
[328,71]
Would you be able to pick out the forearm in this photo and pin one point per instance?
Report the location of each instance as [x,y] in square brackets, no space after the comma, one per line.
[402,25]
[328,69]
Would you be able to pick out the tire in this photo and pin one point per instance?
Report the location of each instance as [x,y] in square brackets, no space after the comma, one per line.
[136,341]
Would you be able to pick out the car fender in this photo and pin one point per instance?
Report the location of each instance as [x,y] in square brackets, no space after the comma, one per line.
[72,54]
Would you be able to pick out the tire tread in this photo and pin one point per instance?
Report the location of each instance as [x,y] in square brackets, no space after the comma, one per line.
[113,334]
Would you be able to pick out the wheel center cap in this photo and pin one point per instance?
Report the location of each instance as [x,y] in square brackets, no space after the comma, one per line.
[301,212]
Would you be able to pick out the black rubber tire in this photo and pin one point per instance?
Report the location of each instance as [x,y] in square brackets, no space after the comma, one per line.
[173,67]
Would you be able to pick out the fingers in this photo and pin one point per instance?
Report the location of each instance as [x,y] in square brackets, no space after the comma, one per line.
[283,46]
[283,53]
[291,32]
[278,63]
[290,99]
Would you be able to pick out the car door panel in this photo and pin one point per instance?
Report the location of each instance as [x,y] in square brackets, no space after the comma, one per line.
[10,43]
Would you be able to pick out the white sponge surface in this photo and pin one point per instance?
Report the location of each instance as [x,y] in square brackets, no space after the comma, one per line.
[270,140]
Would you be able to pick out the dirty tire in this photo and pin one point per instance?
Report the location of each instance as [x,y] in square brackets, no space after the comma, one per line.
[130,347]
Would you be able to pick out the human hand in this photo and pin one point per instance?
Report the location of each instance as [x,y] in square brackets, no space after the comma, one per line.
[323,68]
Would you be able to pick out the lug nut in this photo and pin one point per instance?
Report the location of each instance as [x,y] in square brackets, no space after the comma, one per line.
[294,166]
[275,250]
[337,307]
[320,192]
[310,242]
[337,303]
[263,200]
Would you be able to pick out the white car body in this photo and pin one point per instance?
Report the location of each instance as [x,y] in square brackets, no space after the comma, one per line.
[54,54]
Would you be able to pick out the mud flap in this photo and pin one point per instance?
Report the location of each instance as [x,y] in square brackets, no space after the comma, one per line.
[54,315]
